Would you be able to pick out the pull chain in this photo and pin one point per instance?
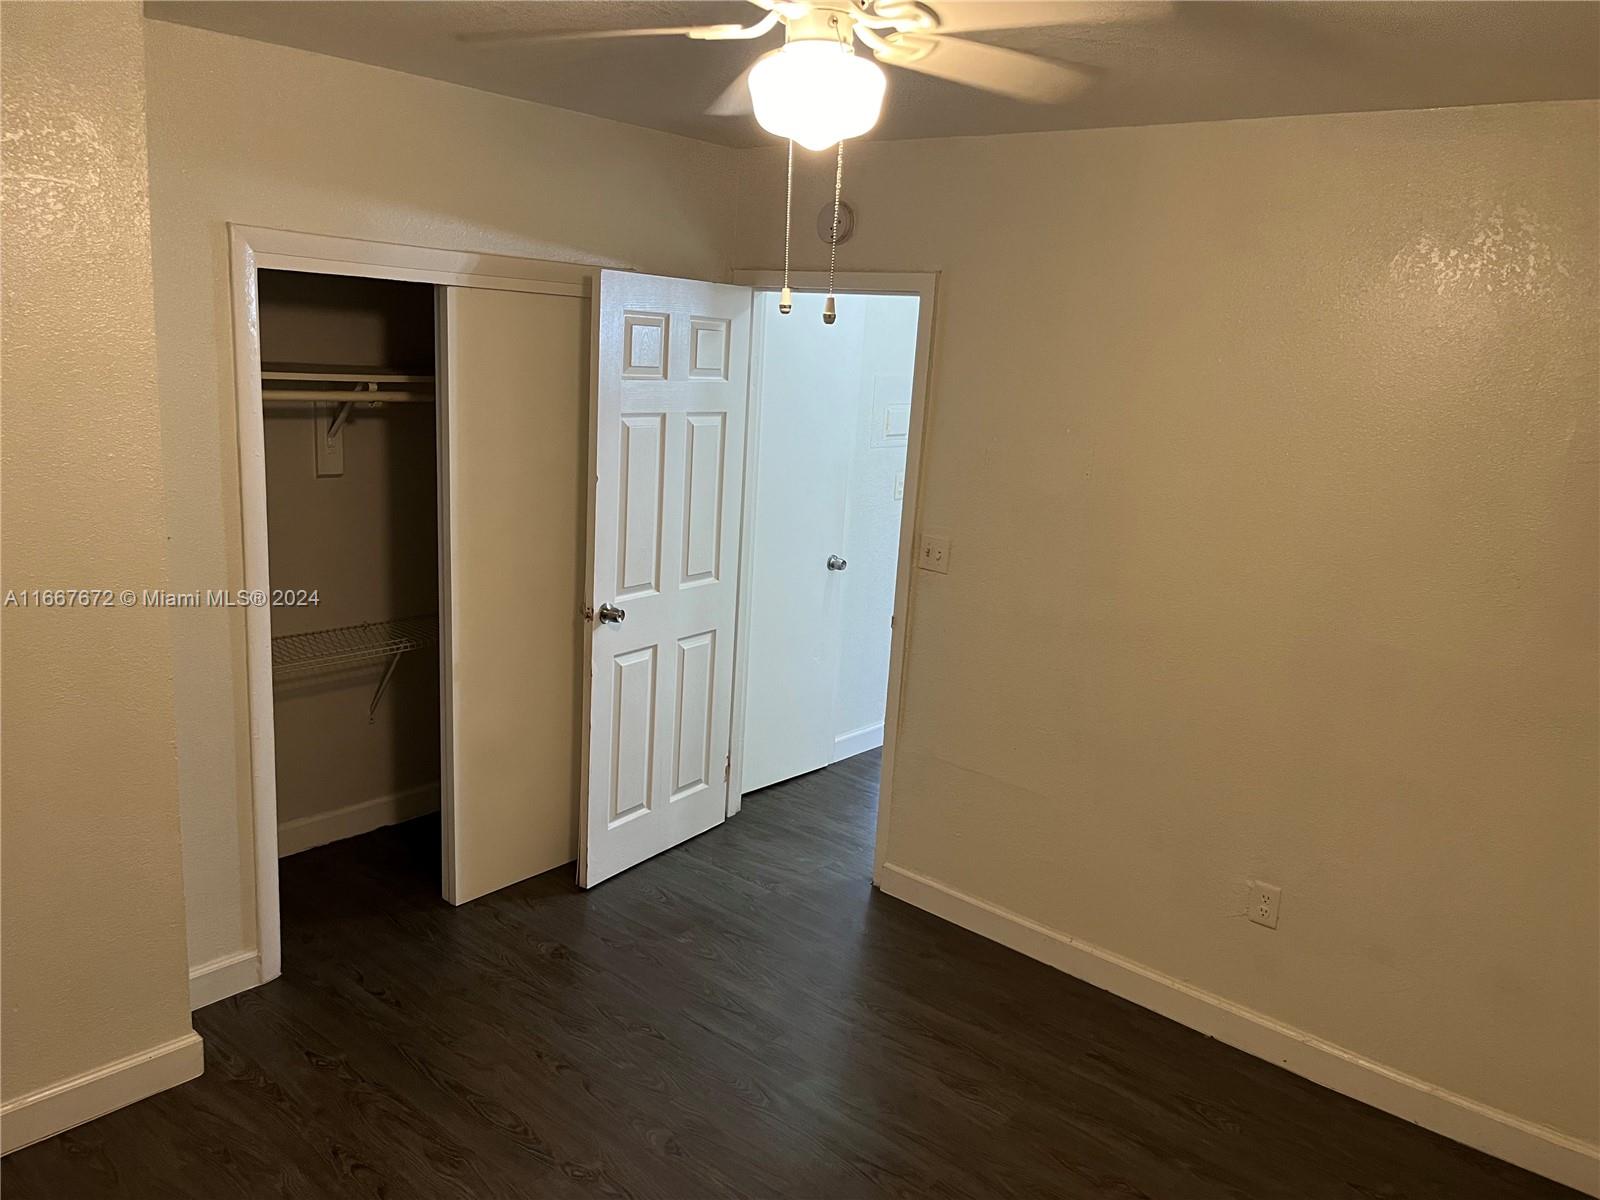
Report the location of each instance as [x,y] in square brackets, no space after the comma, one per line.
[830,312]
[786,297]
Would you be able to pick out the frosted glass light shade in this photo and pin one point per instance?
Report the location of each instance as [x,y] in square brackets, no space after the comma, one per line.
[816,92]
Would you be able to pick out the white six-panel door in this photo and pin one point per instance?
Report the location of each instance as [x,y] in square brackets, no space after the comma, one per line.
[671,378]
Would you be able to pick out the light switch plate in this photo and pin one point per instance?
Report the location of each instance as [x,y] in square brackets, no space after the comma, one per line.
[933,553]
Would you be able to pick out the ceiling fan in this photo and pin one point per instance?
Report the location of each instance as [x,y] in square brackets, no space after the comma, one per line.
[817,90]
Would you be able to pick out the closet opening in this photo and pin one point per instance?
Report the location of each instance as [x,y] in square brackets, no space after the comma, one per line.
[351,442]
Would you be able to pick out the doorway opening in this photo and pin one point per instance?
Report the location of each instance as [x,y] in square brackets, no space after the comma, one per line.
[351,447]
[831,428]
[676,445]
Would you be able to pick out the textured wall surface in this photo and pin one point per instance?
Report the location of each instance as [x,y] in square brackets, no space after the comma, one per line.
[1268,454]
[94,964]
[355,151]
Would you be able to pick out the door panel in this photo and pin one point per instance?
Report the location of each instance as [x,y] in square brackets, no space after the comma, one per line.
[671,369]
[512,408]
[702,498]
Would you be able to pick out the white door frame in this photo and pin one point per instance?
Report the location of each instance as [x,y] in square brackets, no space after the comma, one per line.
[252,249]
[872,283]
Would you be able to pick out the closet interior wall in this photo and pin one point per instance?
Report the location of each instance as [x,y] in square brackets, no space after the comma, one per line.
[366,542]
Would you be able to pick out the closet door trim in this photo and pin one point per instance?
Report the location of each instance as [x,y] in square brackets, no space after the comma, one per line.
[252,249]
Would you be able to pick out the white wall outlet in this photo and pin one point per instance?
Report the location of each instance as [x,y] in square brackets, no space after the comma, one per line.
[1262,903]
[329,450]
[933,553]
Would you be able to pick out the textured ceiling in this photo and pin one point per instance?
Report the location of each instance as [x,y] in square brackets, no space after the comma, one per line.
[1154,62]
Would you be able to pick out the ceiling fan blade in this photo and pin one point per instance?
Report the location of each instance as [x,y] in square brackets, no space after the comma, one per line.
[735,99]
[970,16]
[578,35]
[1004,72]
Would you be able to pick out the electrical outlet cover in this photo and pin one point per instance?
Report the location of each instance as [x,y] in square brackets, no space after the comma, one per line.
[933,553]
[1261,902]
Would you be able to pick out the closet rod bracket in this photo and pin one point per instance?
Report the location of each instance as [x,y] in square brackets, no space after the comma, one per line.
[339,418]
[345,409]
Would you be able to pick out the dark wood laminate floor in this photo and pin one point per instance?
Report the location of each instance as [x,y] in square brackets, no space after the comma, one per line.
[742,1016]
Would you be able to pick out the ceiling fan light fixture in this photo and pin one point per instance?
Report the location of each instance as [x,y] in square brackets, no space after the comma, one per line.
[817,92]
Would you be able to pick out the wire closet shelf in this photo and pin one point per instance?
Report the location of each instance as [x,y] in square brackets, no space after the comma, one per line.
[346,646]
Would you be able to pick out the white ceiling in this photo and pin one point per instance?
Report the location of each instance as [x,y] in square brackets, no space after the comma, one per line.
[1155,62]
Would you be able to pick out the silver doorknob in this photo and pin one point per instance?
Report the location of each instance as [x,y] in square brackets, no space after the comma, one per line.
[835,563]
[610,614]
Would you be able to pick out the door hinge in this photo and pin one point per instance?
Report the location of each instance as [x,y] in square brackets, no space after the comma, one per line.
[727,768]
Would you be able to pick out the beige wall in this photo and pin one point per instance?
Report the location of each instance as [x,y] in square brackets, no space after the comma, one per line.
[1268,454]
[93,895]
[263,135]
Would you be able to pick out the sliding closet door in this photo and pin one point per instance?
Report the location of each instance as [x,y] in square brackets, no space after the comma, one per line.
[513,414]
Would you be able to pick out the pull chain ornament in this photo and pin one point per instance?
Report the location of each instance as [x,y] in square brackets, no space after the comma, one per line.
[830,312]
[786,297]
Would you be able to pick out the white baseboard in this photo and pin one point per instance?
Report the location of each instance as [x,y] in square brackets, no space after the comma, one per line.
[223,977]
[1534,1147]
[59,1107]
[303,833]
[857,741]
